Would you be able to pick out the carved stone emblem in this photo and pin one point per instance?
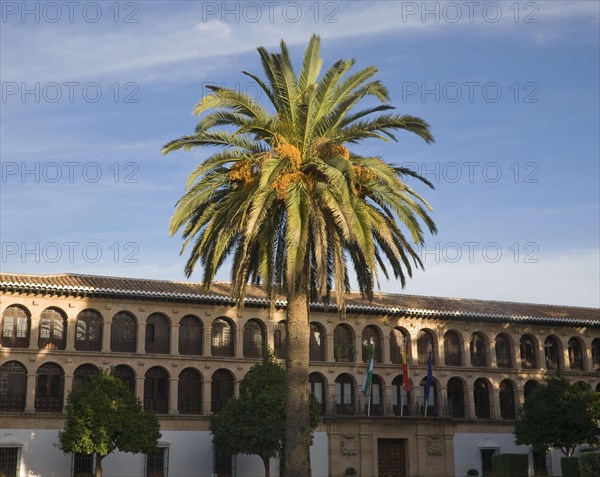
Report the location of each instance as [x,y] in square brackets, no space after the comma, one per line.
[435,444]
[349,444]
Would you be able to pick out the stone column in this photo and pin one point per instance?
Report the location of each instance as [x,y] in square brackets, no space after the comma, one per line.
[492,358]
[30,396]
[358,346]
[238,347]
[330,348]
[206,395]
[106,329]
[173,395]
[495,403]
[207,348]
[141,337]
[68,387]
[139,388]
[385,352]
[71,332]
[174,345]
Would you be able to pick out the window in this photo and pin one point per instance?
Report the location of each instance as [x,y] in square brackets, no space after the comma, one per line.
[191,336]
[125,374]
[399,339]
[318,388]
[158,334]
[123,333]
[9,461]
[344,395]
[254,339]
[507,400]
[157,463]
[317,342]
[596,355]
[52,330]
[551,353]
[343,344]
[400,400]
[528,354]
[376,398]
[503,352]
[83,374]
[156,390]
[432,403]
[452,345]
[189,392]
[528,388]
[222,338]
[481,398]
[456,398]
[280,339]
[371,341]
[49,388]
[84,465]
[575,355]
[221,389]
[13,387]
[16,324]
[424,346]
[478,352]
[88,331]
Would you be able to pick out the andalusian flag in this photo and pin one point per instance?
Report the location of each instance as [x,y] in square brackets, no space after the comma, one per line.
[369,376]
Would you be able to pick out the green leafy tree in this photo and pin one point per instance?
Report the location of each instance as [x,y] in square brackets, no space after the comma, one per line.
[254,423]
[294,207]
[103,415]
[560,415]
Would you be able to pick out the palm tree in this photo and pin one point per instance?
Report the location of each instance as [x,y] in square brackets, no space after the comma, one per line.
[293,206]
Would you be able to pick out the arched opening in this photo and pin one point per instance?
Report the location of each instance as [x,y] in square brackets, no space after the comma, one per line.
[88,331]
[13,387]
[429,407]
[575,354]
[123,333]
[318,387]
[507,400]
[456,398]
[156,390]
[191,336]
[158,334]
[503,351]
[375,397]
[372,343]
[481,399]
[344,395]
[221,389]
[528,352]
[343,344]
[52,329]
[399,344]
[280,340]
[552,353]
[254,339]
[189,394]
[478,346]
[318,340]
[16,323]
[83,374]
[452,349]
[596,355]
[425,345]
[401,400]
[222,337]
[49,389]
[529,387]
[126,374]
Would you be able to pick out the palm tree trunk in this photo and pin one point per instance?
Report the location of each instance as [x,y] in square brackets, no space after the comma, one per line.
[297,448]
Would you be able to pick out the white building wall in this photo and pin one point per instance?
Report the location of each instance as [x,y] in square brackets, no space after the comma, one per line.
[190,455]
[467,449]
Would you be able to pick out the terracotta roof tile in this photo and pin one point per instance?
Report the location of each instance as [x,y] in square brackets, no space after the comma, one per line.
[390,304]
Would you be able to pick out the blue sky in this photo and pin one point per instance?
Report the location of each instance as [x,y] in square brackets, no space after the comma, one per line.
[90,93]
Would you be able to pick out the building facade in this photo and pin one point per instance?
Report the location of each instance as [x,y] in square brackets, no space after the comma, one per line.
[183,350]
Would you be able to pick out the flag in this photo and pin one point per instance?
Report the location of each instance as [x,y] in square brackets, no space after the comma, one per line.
[429,379]
[405,379]
[368,376]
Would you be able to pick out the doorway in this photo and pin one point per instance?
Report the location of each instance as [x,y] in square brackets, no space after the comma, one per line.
[391,461]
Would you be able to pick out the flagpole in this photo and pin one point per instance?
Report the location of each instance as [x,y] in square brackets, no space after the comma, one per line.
[370,395]
[401,401]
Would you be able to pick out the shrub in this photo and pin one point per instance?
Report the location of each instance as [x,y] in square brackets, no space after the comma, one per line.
[350,471]
[569,467]
[472,472]
[510,465]
[589,464]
